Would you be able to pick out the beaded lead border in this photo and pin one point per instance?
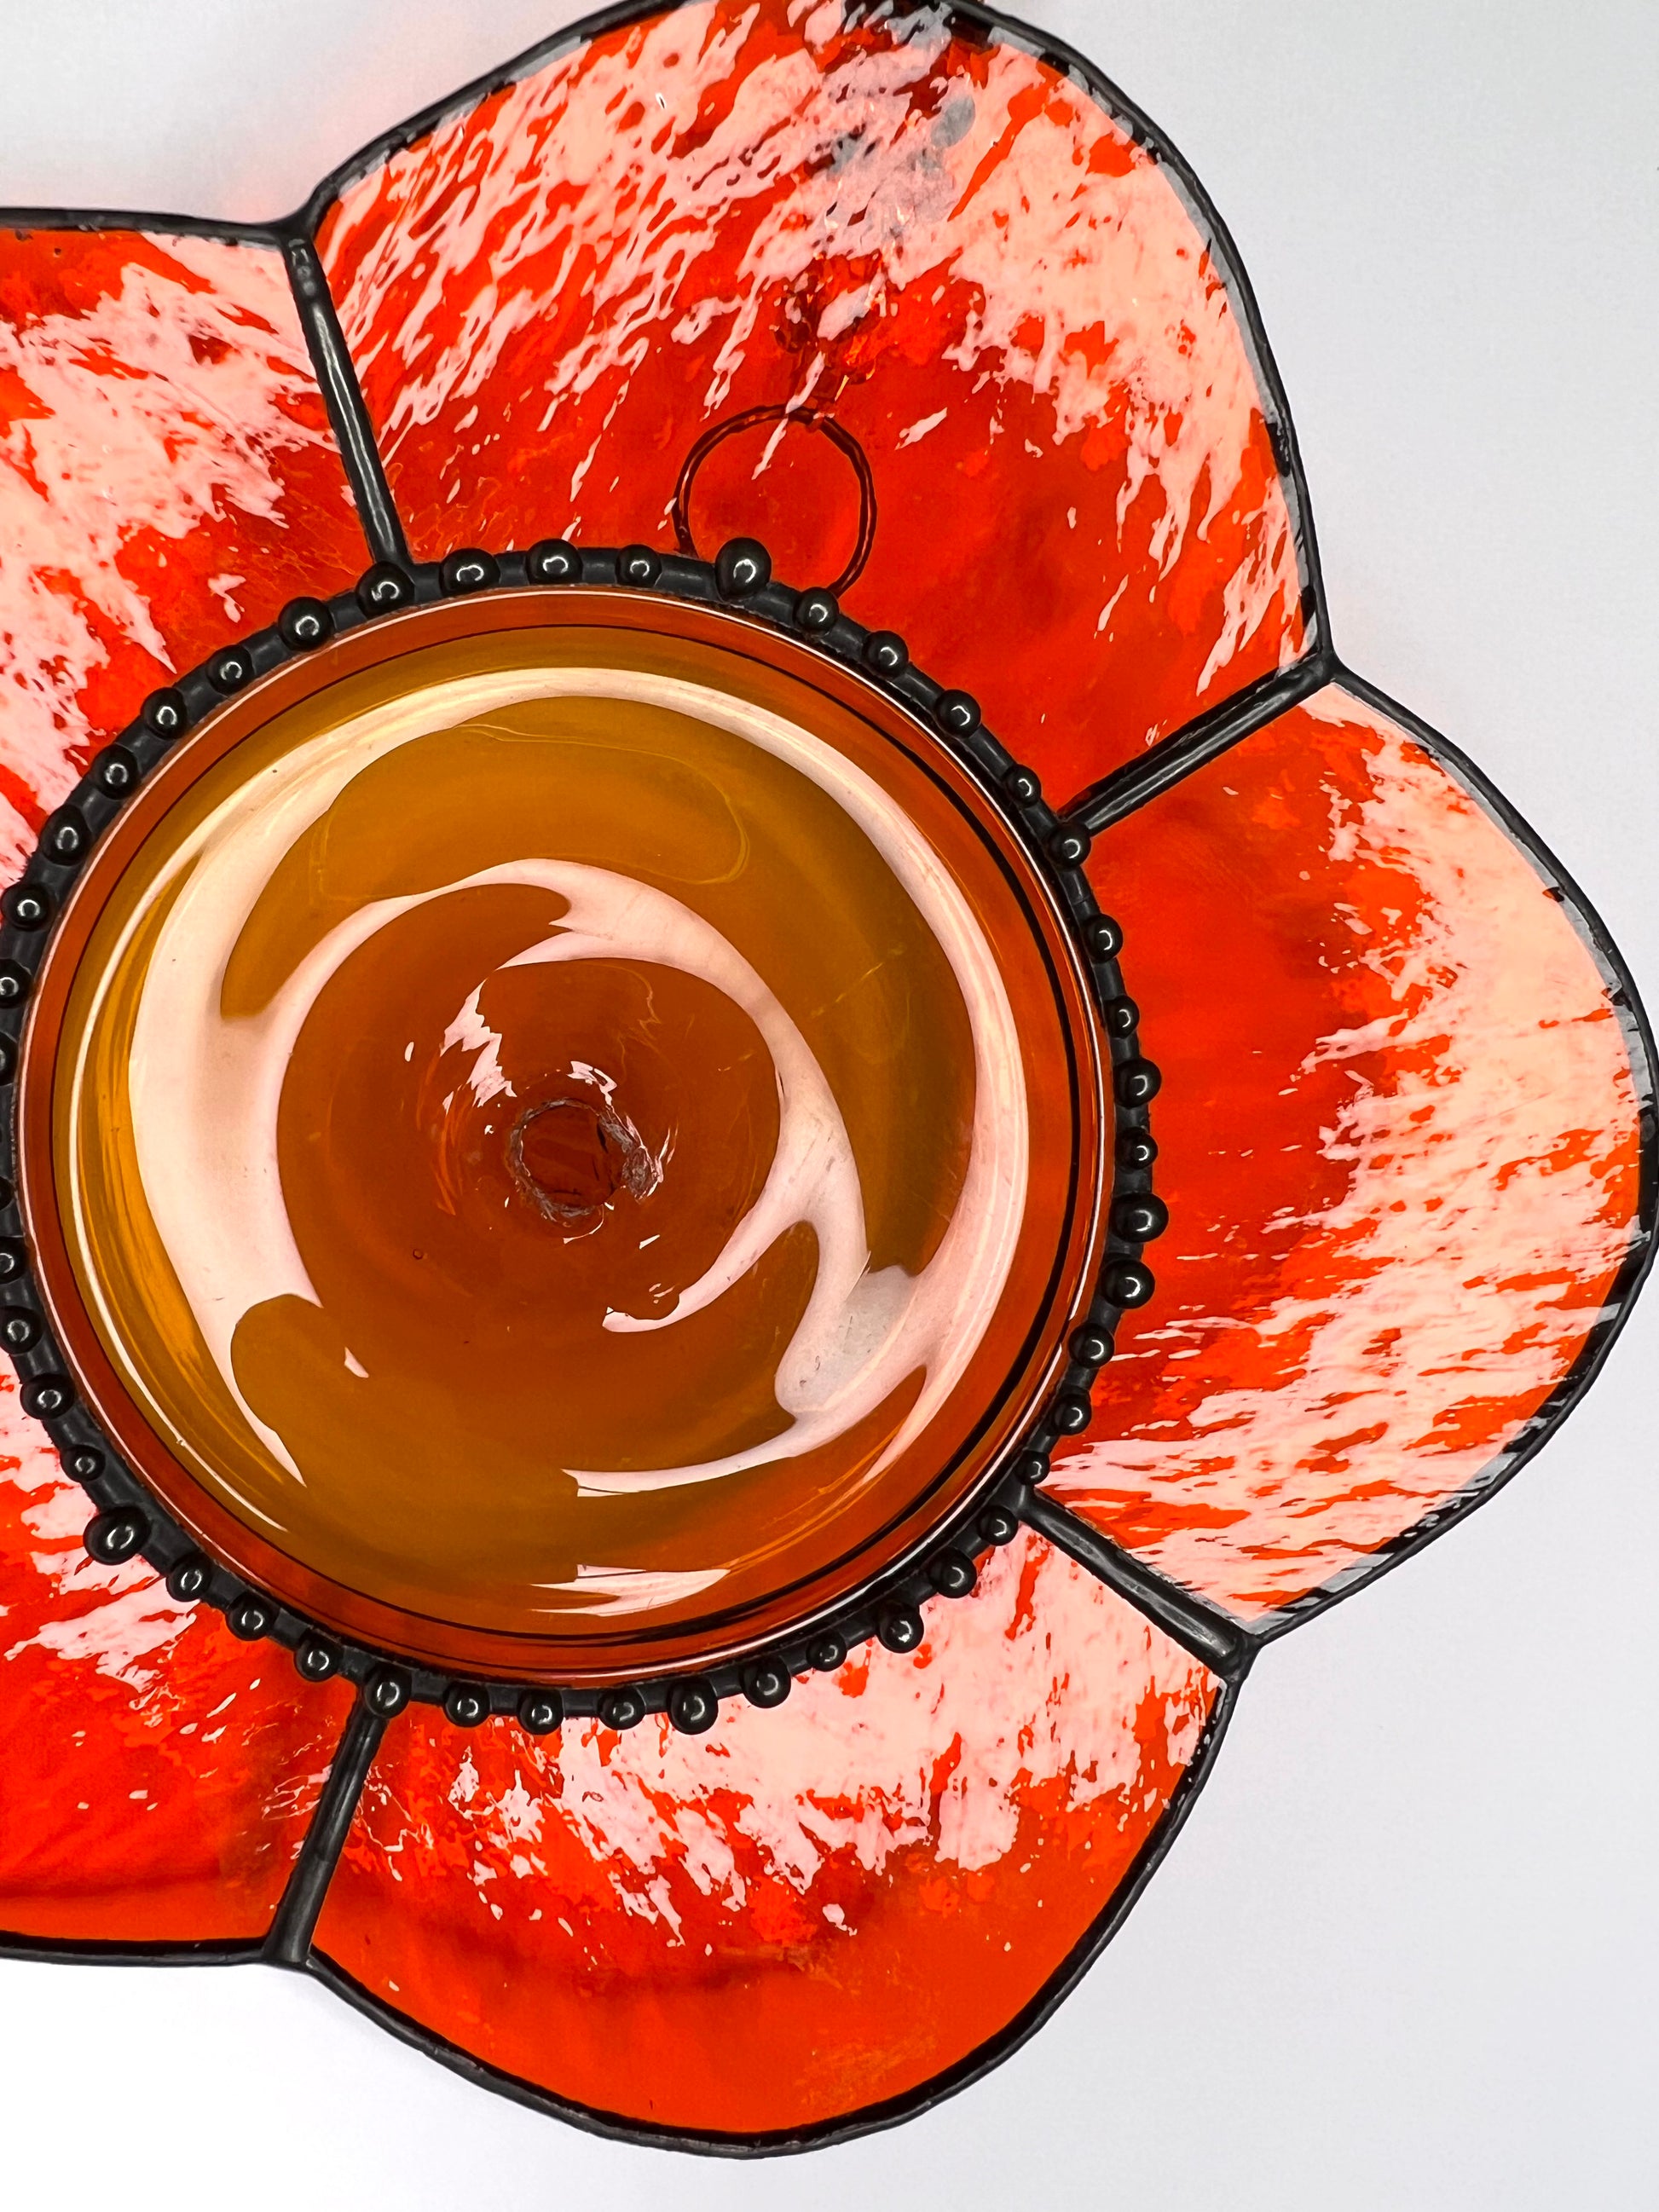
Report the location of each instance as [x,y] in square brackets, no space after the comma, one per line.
[128,1522]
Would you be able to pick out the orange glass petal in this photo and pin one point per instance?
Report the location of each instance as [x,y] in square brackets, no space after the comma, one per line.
[1399,1139]
[159,1775]
[927,233]
[805,1912]
[168,480]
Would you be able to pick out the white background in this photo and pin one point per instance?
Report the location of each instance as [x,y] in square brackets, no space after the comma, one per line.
[1405,1952]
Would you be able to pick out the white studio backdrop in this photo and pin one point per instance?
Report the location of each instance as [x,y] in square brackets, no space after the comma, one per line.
[1405,1952]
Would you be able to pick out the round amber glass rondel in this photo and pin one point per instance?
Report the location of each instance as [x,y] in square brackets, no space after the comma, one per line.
[565,1139]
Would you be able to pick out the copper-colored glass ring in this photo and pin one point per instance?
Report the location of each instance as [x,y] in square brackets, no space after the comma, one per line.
[260,1594]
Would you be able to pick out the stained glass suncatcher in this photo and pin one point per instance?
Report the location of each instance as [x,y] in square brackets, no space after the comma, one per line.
[929,311]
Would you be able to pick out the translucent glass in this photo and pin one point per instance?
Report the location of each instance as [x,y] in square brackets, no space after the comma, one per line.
[168,479]
[937,241]
[159,1774]
[564,1131]
[561,1135]
[803,1913]
[1399,1142]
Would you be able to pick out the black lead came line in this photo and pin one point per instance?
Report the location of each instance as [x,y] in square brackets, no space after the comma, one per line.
[288,1943]
[152,223]
[342,395]
[1224,1644]
[1198,743]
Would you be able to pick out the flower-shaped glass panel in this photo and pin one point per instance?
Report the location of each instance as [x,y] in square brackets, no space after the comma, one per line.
[750,1108]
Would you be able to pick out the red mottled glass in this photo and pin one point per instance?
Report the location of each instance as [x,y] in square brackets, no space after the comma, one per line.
[685,281]
[935,238]
[1399,1142]
[804,1912]
[159,1775]
[168,479]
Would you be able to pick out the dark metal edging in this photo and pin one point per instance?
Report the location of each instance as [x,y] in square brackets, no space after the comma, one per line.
[1626,1286]
[129,1521]
[1168,765]
[93,1951]
[288,1943]
[343,395]
[991,26]
[151,224]
[1202,1628]
[1196,744]
[871,2119]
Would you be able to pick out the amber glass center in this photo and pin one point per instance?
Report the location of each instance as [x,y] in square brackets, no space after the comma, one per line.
[569,1133]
